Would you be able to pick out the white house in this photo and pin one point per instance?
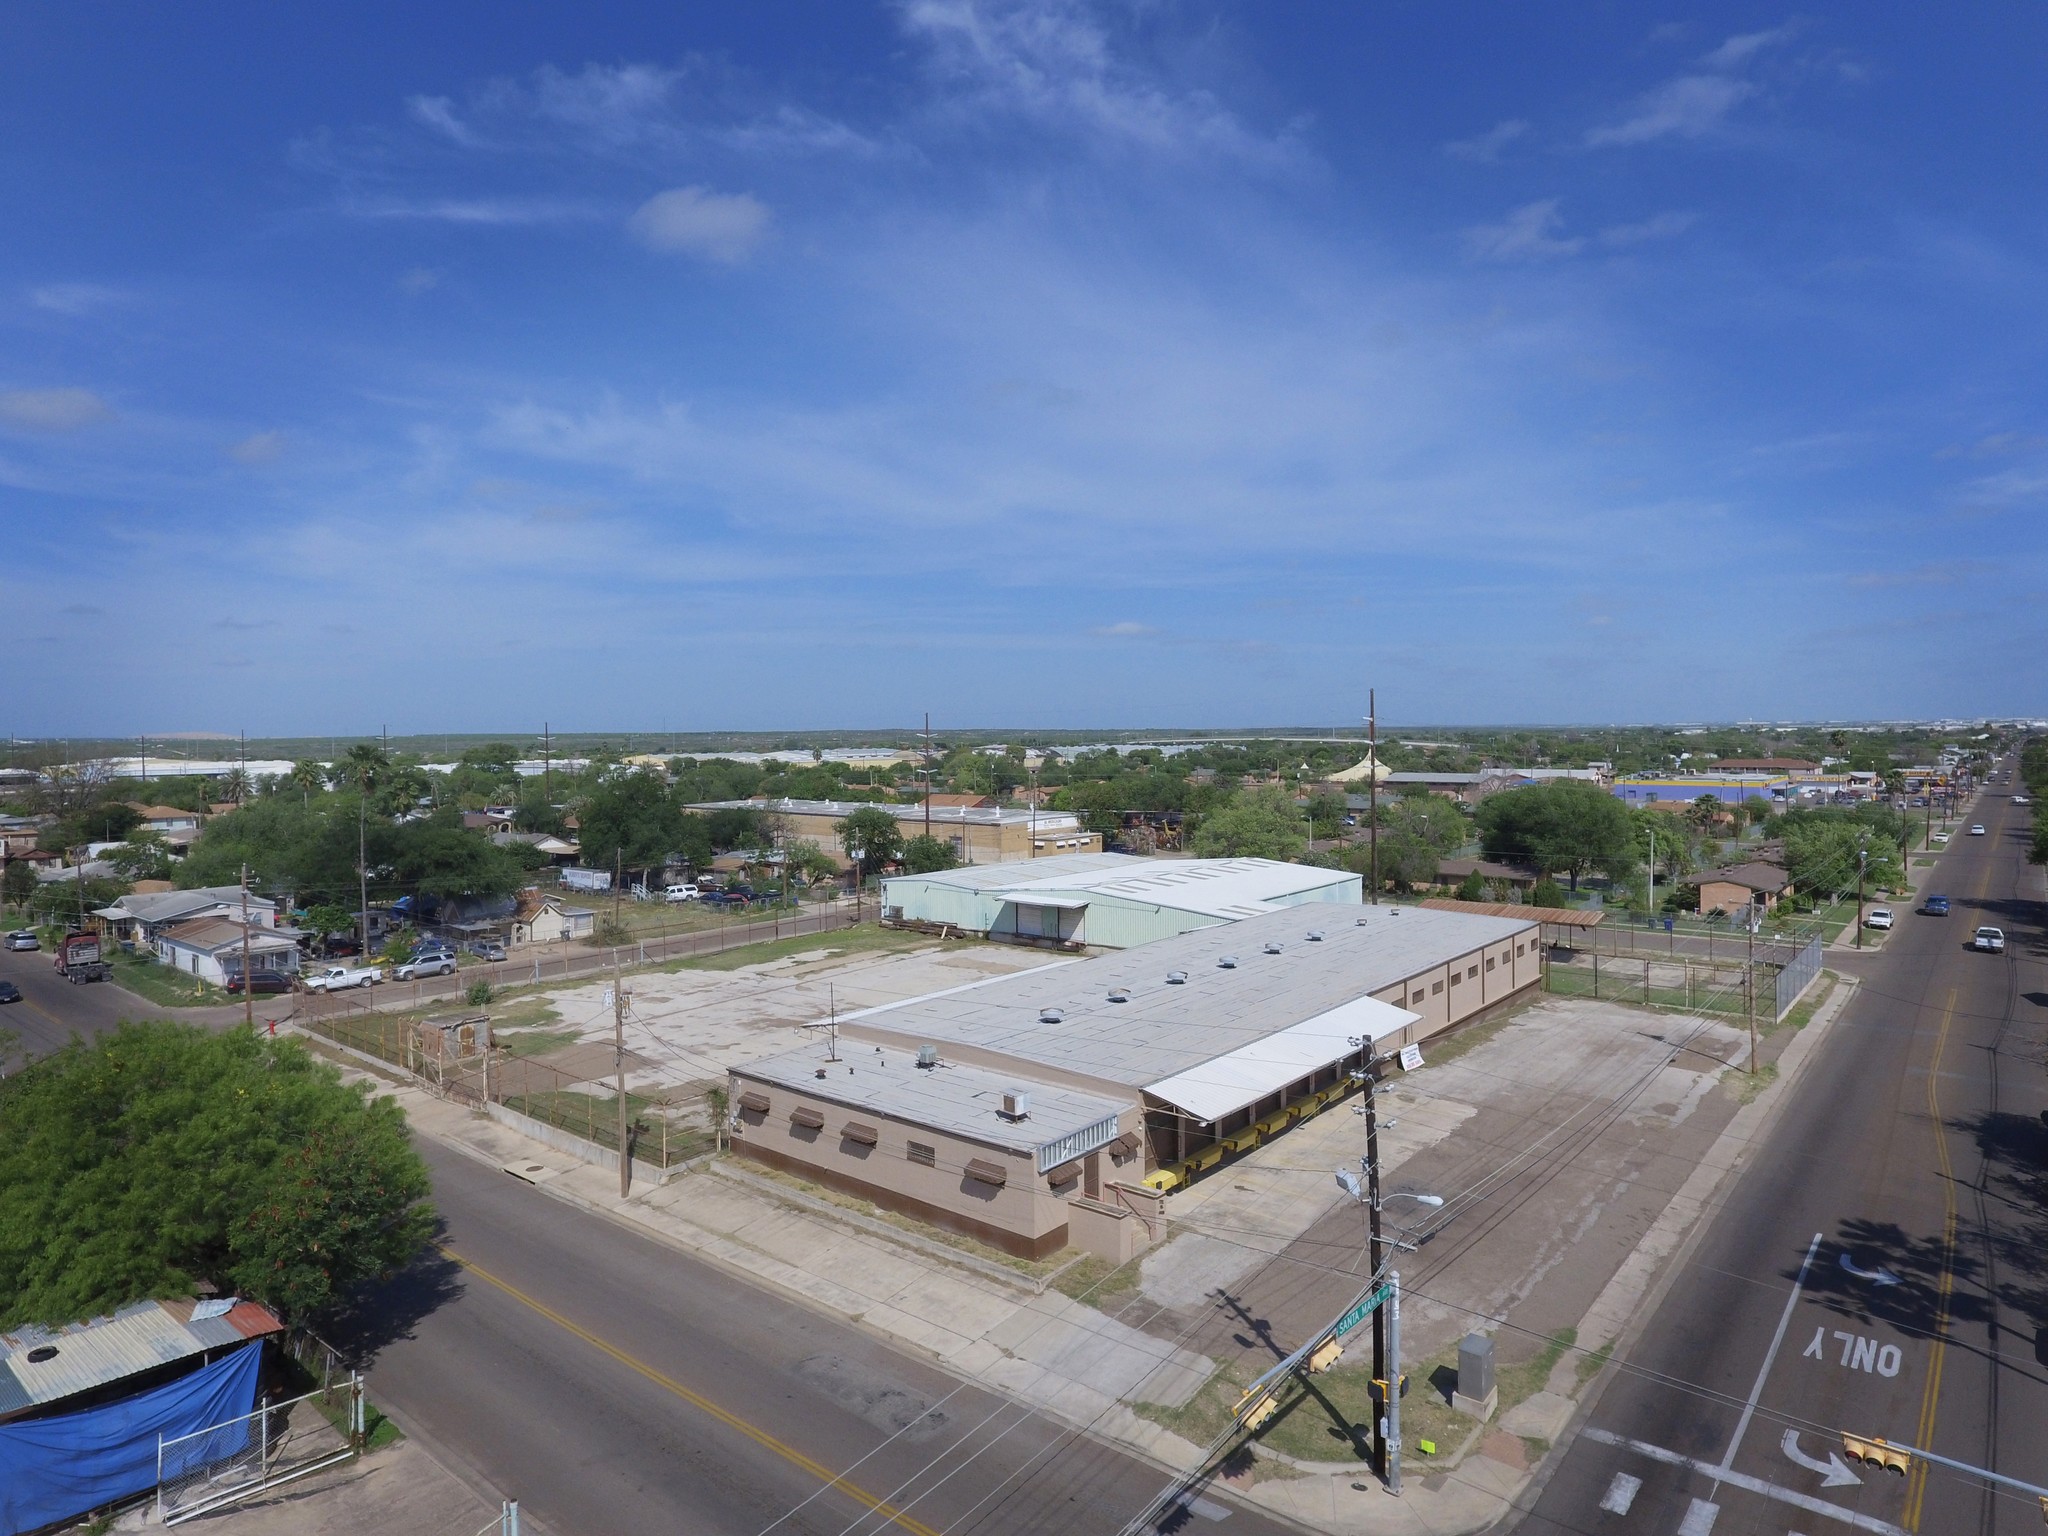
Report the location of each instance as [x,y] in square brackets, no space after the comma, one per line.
[211,947]
[550,920]
[138,918]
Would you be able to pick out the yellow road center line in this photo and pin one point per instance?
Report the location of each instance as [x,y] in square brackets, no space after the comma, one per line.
[1930,1397]
[697,1400]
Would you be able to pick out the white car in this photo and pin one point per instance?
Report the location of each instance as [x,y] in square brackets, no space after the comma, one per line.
[2021,800]
[1990,940]
[681,893]
[1880,917]
[1941,837]
[1976,829]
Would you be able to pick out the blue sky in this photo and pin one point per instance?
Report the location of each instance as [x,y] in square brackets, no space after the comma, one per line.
[769,366]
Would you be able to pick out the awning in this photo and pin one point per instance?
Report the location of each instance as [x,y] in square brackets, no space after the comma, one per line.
[860,1135]
[810,1119]
[754,1103]
[1063,903]
[987,1172]
[1258,1071]
[1066,1173]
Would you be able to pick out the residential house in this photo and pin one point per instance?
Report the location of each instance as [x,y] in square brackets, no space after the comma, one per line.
[547,919]
[212,948]
[165,818]
[558,850]
[140,916]
[1741,887]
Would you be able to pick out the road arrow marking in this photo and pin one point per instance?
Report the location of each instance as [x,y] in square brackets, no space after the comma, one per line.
[1874,1276]
[1834,1471]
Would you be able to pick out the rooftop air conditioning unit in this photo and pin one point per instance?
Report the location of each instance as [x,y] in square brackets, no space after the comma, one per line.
[1176,978]
[1016,1104]
[1050,1015]
[927,1055]
[1227,963]
[1315,935]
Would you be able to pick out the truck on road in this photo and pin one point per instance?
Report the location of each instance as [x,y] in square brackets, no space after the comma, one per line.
[78,959]
[339,978]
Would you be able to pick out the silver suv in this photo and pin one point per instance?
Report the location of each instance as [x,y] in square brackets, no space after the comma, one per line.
[438,962]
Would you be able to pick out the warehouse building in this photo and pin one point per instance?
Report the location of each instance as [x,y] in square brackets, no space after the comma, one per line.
[1052,1106]
[1109,900]
[978,834]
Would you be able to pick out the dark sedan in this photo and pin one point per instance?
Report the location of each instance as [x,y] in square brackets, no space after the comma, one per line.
[266,981]
[9,992]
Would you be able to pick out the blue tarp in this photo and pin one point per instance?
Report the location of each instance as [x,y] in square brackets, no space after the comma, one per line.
[57,1468]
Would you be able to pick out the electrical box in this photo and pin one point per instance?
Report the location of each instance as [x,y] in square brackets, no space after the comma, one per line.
[1475,1365]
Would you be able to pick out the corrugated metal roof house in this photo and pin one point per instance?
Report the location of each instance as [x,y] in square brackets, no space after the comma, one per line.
[43,1366]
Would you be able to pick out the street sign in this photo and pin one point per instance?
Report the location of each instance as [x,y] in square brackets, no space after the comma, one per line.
[1360,1313]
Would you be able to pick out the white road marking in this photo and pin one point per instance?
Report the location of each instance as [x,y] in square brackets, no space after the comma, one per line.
[1699,1518]
[1770,1357]
[1834,1471]
[1875,1276]
[1208,1509]
[1621,1493]
[1745,1482]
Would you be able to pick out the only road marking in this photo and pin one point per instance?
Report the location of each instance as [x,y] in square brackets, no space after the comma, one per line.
[789,1453]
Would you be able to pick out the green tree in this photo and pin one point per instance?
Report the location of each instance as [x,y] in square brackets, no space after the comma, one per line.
[872,838]
[1547,893]
[1567,826]
[330,918]
[1257,824]
[923,855]
[144,856]
[631,819]
[1472,887]
[306,776]
[19,883]
[146,1162]
[806,862]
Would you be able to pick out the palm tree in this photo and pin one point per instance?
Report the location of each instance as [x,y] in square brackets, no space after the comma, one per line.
[306,776]
[234,785]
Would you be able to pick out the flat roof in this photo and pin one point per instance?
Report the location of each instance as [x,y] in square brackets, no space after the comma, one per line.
[947,815]
[1230,888]
[1162,1028]
[958,1099]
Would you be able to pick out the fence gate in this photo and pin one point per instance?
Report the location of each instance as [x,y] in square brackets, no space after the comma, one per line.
[275,1444]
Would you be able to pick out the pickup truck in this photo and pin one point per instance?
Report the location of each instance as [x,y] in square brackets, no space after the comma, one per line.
[339,978]
[439,963]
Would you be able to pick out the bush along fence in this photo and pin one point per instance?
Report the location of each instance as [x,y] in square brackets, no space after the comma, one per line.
[571,1088]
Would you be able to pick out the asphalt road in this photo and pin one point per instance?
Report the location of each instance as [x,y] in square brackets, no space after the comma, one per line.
[613,1384]
[1881,1268]
[51,1009]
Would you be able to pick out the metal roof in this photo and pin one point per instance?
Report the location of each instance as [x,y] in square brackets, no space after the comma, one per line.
[106,1349]
[946,815]
[1228,888]
[958,1099]
[1062,1017]
[1554,917]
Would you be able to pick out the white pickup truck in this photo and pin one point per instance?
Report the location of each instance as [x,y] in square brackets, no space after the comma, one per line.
[339,978]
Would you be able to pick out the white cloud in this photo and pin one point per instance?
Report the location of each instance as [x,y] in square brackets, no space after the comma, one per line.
[438,113]
[476,210]
[1740,48]
[695,221]
[1690,106]
[1124,630]
[76,298]
[260,448]
[418,280]
[52,410]
[1053,61]
[1529,233]
[1661,226]
[1485,148]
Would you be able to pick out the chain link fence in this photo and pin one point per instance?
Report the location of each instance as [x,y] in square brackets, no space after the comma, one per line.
[278,1443]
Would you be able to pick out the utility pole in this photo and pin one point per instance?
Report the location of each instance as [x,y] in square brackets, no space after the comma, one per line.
[927,773]
[619,1046]
[248,977]
[1392,1308]
[1749,987]
[1372,780]
[1376,1252]
[1862,859]
[618,875]
[547,765]
[1653,874]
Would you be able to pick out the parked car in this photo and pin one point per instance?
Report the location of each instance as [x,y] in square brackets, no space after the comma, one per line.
[1941,837]
[9,992]
[1976,829]
[1990,940]
[727,898]
[266,981]
[487,949]
[337,978]
[1880,917]
[2021,800]
[1935,906]
[24,938]
[686,892]
[437,963]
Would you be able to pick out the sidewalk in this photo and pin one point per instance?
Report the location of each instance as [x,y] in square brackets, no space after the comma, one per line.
[1082,1367]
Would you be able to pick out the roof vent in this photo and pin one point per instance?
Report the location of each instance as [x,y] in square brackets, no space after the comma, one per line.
[1119,995]
[1315,935]
[927,1055]
[1226,963]
[1272,948]
[1016,1104]
[1363,921]
[1176,978]
[1050,1015]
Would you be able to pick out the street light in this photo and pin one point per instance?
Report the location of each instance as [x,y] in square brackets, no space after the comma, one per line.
[1387,1368]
